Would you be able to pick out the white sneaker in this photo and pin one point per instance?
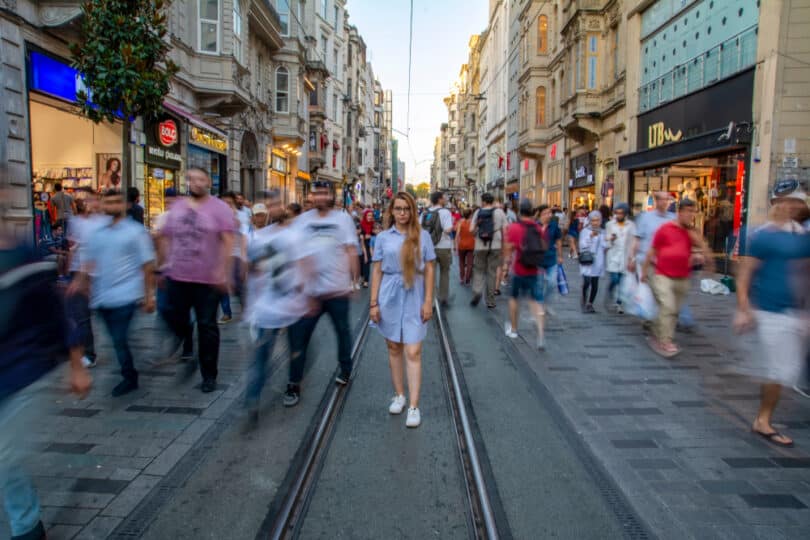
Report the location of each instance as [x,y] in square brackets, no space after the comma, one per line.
[414,418]
[507,329]
[86,362]
[397,404]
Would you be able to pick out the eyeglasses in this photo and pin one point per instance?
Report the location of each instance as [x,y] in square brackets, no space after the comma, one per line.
[401,209]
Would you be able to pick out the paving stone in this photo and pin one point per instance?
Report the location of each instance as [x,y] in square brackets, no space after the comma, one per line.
[772,500]
[99,529]
[131,496]
[604,412]
[167,459]
[641,411]
[194,411]
[725,487]
[749,463]
[689,403]
[196,430]
[63,532]
[67,516]
[792,463]
[69,448]
[652,464]
[96,485]
[79,413]
[634,443]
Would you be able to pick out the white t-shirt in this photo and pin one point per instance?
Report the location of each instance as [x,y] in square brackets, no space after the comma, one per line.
[80,230]
[325,239]
[275,284]
[446,220]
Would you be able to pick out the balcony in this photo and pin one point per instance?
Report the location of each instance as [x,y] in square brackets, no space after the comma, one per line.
[264,21]
[733,56]
[221,84]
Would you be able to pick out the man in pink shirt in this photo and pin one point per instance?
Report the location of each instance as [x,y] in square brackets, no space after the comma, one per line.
[196,241]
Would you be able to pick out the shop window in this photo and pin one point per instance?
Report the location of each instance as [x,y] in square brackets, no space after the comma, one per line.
[283,11]
[540,103]
[209,26]
[237,31]
[282,90]
[542,34]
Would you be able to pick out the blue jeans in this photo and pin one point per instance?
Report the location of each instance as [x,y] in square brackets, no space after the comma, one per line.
[80,324]
[17,412]
[615,283]
[338,310]
[225,302]
[549,278]
[117,321]
[263,353]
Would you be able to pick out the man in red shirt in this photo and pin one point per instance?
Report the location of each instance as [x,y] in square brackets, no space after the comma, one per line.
[528,248]
[672,254]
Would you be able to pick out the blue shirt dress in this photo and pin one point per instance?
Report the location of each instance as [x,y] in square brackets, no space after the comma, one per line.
[401,308]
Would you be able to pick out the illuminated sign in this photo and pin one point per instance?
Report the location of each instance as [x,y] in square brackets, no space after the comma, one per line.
[658,134]
[208,139]
[554,151]
[167,132]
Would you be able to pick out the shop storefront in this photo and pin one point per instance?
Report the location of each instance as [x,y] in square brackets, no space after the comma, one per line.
[278,173]
[66,148]
[697,147]
[581,186]
[163,163]
[208,150]
[302,179]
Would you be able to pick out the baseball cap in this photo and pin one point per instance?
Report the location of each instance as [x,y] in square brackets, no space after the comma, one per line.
[259,208]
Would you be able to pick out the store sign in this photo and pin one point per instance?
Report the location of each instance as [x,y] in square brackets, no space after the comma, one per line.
[53,77]
[163,143]
[706,110]
[167,132]
[553,151]
[207,139]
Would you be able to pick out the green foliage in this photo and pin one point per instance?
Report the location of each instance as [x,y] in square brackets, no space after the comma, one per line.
[122,57]
[410,189]
[423,190]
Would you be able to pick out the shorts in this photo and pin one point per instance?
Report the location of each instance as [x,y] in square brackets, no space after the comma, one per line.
[530,286]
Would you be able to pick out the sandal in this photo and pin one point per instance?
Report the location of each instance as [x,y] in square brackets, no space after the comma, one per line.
[770,437]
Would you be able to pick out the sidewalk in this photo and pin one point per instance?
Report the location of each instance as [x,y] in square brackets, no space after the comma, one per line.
[675,434]
[96,459]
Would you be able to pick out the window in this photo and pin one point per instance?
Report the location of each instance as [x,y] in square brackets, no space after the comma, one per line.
[323,8]
[335,60]
[349,90]
[282,90]
[237,31]
[451,165]
[208,38]
[452,148]
[324,46]
[283,10]
[337,16]
[299,9]
[593,58]
[540,104]
[578,67]
[335,112]
[542,34]
[349,56]
[615,54]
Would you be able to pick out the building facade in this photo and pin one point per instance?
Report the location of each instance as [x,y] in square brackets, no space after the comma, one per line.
[260,102]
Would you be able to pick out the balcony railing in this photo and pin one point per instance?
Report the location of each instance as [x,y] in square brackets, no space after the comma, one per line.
[730,57]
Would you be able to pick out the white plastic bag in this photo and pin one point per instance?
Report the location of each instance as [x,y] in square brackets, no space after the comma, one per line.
[710,286]
[640,300]
[628,288]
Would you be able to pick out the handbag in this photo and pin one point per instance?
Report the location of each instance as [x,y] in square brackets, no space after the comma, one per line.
[562,282]
[587,257]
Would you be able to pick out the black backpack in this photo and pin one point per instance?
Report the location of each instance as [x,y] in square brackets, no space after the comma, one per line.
[432,223]
[486,224]
[533,247]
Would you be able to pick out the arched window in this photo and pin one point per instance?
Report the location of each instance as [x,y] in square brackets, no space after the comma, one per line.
[282,90]
[540,104]
[542,34]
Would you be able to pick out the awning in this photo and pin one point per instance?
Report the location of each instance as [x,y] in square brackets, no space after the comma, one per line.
[193,119]
[303,175]
[701,145]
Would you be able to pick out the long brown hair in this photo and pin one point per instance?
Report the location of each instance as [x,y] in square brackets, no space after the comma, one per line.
[410,254]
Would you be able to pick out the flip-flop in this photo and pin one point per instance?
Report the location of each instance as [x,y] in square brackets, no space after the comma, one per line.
[770,438]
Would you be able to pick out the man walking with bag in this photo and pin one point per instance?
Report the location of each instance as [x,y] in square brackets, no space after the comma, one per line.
[487,225]
[438,221]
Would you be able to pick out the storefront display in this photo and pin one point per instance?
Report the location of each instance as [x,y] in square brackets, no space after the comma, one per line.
[207,150]
[582,191]
[277,176]
[66,148]
[301,186]
[163,163]
[697,148]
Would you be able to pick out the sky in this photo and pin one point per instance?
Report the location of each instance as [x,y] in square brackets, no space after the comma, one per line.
[441,32]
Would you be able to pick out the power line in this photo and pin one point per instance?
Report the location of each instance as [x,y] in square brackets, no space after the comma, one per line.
[410,64]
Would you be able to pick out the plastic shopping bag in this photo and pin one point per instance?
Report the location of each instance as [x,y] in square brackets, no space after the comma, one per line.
[710,286]
[562,282]
[638,299]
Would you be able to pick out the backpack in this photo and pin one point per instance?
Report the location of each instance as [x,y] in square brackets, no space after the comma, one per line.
[533,246]
[486,224]
[432,223]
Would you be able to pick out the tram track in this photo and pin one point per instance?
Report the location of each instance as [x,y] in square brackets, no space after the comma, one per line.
[288,513]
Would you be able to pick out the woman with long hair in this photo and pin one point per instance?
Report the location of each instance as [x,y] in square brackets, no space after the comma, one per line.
[111,179]
[402,283]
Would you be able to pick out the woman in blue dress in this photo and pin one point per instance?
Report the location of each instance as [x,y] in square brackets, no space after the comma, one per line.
[402,298]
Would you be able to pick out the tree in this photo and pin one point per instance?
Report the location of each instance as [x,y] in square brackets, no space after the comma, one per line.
[412,190]
[123,63]
[423,190]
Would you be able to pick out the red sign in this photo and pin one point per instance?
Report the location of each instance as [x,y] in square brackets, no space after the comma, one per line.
[554,151]
[167,133]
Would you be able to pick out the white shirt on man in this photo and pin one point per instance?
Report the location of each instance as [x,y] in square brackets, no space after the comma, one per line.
[325,239]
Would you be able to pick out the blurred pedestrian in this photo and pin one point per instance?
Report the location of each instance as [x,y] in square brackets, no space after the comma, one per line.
[238,257]
[277,299]
[592,246]
[438,222]
[487,224]
[773,281]
[31,346]
[118,264]
[676,247]
[620,232]
[134,208]
[402,299]
[293,210]
[552,258]
[465,246]
[64,205]
[330,242]
[527,241]
[366,232]
[198,240]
